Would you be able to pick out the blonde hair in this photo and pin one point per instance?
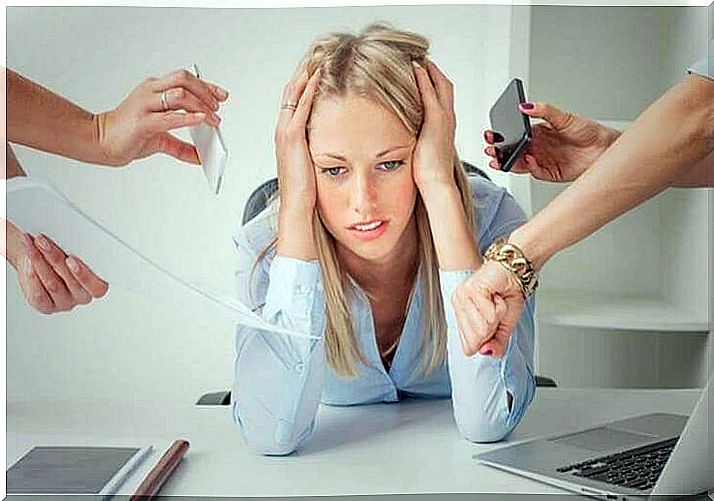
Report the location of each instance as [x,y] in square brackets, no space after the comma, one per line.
[376,64]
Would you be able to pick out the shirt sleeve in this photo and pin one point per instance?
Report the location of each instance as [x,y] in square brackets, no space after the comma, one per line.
[277,378]
[704,67]
[480,383]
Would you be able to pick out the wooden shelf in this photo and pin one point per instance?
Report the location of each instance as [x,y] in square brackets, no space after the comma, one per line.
[601,311]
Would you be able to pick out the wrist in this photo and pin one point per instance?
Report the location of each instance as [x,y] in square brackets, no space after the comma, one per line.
[436,191]
[534,249]
[509,257]
[100,125]
[296,234]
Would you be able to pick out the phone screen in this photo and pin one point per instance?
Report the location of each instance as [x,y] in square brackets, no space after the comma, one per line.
[513,126]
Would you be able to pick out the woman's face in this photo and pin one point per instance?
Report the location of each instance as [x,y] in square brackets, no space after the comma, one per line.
[365,191]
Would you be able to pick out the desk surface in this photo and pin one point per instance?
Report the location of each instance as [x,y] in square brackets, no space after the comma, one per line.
[407,447]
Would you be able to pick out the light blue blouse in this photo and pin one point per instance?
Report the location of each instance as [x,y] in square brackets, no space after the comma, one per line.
[280,380]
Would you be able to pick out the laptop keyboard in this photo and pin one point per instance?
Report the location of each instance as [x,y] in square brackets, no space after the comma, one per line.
[636,468]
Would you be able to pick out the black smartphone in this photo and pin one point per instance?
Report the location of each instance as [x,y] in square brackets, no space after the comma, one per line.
[513,126]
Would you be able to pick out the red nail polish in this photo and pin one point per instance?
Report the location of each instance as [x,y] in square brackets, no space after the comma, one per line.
[527,106]
[487,353]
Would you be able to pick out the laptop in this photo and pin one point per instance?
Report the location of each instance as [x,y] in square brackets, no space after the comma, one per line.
[651,455]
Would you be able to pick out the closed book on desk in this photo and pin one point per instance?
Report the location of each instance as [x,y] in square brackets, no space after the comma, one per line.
[94,470]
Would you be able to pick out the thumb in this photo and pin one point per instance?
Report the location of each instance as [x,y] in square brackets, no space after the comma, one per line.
[181,150]
[556,117]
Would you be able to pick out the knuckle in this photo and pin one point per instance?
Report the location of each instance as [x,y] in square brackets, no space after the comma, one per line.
[53,286]
[183,74]
[36,298]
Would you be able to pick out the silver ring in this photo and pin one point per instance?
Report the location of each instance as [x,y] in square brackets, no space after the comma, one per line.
[164,102]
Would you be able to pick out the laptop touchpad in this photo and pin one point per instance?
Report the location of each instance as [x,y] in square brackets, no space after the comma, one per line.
[603,440]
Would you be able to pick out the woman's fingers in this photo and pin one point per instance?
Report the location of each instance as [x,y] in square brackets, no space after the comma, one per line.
[158,123]
[188,81]
[492,137]
[476,315]
[173,146]
[426,89]
[54,285]
[56,258]
[305,103]
[291,97]
[556,117]
[91,282]
[181,99]
[471,324]
[32,288]
[444,90]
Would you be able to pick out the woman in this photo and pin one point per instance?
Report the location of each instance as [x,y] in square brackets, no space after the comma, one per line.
[374,229]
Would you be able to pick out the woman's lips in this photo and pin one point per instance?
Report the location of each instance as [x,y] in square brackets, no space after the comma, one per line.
[369,231]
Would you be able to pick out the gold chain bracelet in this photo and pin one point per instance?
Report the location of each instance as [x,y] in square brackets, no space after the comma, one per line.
[512,258]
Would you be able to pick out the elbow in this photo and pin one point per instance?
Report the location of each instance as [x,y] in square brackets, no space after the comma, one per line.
[483,432]
[266,437]
[271,448]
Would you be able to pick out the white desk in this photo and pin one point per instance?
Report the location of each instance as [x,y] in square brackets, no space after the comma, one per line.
[408,447]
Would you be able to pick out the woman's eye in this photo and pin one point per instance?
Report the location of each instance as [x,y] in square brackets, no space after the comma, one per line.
[333,171]
[391,165]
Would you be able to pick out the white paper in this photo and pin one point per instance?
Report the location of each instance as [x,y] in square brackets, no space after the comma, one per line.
[212,151]
[35,207]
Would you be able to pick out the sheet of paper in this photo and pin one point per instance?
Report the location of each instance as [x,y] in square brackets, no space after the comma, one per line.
[35,206]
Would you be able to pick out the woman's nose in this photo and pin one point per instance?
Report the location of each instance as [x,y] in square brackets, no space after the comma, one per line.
[364,198]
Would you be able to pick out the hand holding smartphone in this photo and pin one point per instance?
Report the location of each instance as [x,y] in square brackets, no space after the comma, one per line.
[513,126]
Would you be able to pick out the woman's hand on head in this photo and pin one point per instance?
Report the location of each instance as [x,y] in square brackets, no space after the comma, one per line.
[140,125]
[51,281]
[433,164]
[296,172]
[563,146]
[487,307]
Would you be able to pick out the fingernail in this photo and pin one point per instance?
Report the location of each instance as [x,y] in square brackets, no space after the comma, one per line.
[527,106]
[26,241]
[72,264]
[416,65]
[487,353]
[200,115]
[43,243]
[222,93]
[28,266]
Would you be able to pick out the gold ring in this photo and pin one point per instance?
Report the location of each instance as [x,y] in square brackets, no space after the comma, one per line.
[289,106]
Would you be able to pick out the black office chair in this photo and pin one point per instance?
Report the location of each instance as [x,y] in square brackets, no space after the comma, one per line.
[256,203]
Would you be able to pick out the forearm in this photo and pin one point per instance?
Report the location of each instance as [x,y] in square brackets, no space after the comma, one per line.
[489,395]
[41,119]
[453,239]
[700,175]
[656,152]
[274,402]
[278,378]
[296,232]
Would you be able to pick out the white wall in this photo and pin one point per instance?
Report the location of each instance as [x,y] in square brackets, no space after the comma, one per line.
[125,346]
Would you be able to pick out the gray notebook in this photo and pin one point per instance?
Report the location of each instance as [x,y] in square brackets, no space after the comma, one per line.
[73,470]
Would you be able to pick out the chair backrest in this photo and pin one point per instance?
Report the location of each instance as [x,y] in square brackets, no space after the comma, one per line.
[258,200]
